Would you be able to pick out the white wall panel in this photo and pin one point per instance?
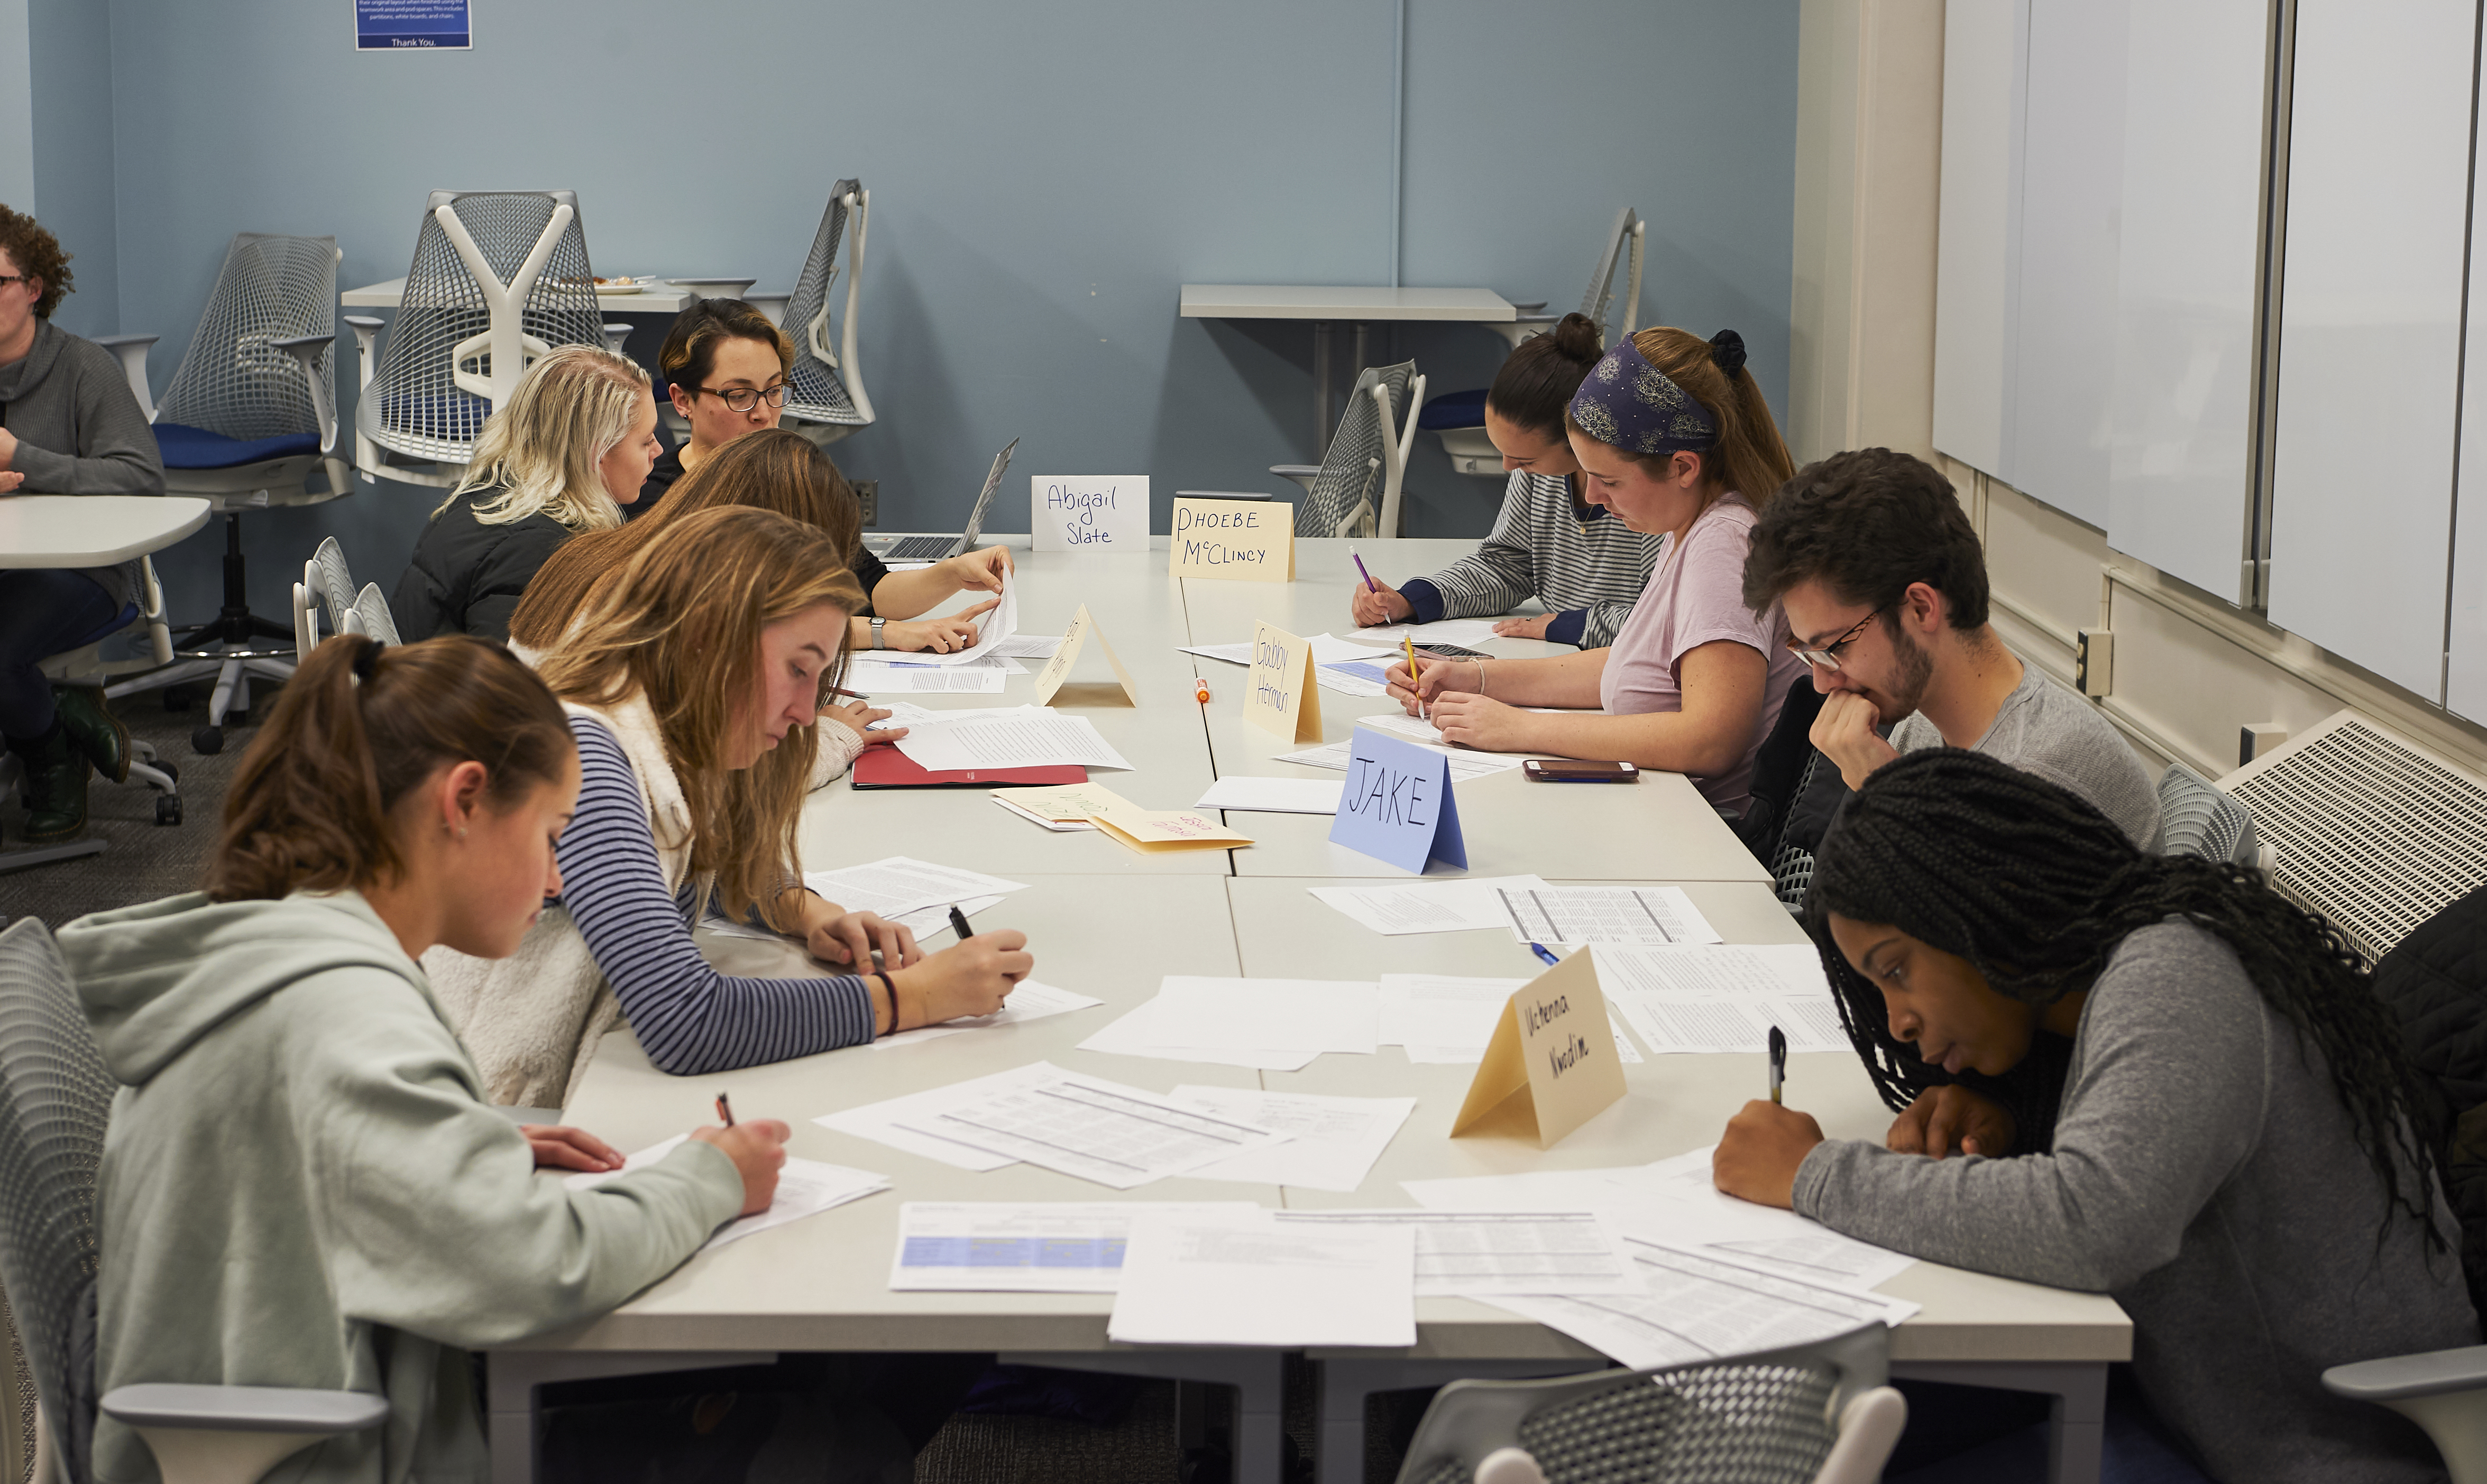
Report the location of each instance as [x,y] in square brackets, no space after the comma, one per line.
[2465,677]
[16,109]
[2370,331]
[2189,245]
[2072,168]
[1985,52]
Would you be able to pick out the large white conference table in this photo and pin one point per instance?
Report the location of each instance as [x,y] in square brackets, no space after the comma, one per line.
[1109,922]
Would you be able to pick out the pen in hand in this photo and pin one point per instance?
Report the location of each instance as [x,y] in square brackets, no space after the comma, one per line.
[1412,676]
[959,923]
[1778,1061]
[1370,586]
[725,1110]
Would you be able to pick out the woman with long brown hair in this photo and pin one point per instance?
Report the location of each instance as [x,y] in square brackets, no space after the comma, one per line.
[692,678]
[1672,436]
[304,1182]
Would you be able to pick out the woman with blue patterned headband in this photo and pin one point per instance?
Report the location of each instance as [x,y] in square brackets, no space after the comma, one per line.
[1672,437]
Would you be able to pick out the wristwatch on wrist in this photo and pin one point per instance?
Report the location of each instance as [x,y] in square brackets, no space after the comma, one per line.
[877,641]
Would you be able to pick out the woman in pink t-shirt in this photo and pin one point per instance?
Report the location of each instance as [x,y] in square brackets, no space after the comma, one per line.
[1672,436]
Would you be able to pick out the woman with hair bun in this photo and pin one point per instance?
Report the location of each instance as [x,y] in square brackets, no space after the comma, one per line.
[1673,438]
[1549,544]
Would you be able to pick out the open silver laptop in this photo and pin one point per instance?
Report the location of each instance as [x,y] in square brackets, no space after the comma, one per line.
[932,549]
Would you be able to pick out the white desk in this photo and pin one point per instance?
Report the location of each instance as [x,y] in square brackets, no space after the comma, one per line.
[92,530]
[660,297]
[1109,922]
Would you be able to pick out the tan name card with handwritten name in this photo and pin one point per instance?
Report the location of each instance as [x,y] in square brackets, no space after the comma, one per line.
[1552,1065]
[1247,540]
[1280,692]
[1058,668]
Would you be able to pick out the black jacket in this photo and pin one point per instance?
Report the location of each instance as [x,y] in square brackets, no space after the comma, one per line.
[467,576]
[2435,984]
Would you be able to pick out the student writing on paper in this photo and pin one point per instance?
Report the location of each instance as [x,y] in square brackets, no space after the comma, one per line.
[1550,544]
[692,678]
[1673,436]
[564,456]
[727,366]
[2241,1161]
[304,1182]
[773,469]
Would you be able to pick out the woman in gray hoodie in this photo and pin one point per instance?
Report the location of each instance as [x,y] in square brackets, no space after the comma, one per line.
[302,1185]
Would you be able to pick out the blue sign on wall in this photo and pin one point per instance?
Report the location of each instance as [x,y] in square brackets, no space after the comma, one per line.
[413,25]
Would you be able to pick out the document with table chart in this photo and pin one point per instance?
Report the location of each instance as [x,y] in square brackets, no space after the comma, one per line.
[1475,1254]
[1603,914]
[1677,1203]
[1722,996]
[959,680]
[1021,1246]
[1331,1142]
[1426,907]
[1026,737]
[1085,1126]
[1247,1280]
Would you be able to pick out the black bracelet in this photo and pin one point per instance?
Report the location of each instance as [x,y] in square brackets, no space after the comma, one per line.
[891,986]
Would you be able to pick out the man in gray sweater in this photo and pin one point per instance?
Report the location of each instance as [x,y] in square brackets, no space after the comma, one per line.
[67,426]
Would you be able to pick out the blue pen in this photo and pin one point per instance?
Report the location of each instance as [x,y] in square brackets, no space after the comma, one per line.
[1370,586]
[1540,950]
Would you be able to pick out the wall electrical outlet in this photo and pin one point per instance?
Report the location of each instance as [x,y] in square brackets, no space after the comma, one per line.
[2094,662]
[868,495]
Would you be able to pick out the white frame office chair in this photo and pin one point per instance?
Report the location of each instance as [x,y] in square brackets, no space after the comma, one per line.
[829,402]
[1470,450]
[2443,1392]
[1371,443]
[499,278]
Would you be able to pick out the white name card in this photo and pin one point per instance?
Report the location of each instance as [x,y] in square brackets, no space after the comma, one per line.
[1089,511]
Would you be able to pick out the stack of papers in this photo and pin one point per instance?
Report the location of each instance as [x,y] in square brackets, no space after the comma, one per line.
[1722,997]
[1094,806]
[804,1188]
[1021,1246]
[1448,907]
[1020,737]
[1603,915]
[1442,1019]
[1273,795]
[900,886]
[1271,1024]
[1029,1000]
[960,680]
[1331,1142]
[1475,1254]
[1247,1279]
[995,626]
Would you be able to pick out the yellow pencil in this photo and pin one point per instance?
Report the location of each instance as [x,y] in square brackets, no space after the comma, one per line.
[1411,642]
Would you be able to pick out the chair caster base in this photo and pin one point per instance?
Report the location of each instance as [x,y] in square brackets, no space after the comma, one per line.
[208,739]
[168,810]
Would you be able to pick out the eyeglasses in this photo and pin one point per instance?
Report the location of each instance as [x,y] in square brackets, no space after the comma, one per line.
[742,399]
[16,278]
[1827,658]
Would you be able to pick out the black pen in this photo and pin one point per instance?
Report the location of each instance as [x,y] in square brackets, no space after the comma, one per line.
[725,1110]
[1778,1061]
[959,923]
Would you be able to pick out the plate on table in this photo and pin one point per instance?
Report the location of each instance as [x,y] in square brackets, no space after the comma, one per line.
[621,285]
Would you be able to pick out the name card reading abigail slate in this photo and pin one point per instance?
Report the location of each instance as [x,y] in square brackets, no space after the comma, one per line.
[1552,1063]
[1089,511]
[1252,541]
[1397,805]
[1279,694]
[1057,669]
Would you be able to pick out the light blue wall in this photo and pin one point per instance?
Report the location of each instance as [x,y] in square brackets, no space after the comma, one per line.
[1044,178]
[70,42]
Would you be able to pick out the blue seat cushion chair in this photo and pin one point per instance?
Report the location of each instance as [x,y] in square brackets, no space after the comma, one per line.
[1454,409]
[196,448]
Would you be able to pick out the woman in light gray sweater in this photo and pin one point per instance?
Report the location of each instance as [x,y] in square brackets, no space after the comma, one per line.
[2237,1160]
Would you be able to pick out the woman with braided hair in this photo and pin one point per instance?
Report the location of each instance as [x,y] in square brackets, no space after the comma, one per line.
[2234,1160]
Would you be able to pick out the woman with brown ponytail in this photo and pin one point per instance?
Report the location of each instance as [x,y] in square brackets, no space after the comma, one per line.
[303,1183]
[1672,437]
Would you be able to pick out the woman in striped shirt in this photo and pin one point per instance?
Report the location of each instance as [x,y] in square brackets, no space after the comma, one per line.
[692,677]
[1550,544]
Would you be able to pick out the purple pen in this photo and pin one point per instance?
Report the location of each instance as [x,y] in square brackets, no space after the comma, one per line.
[1370,586]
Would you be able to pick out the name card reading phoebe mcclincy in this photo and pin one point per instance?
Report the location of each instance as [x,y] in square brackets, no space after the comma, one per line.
[1250,541]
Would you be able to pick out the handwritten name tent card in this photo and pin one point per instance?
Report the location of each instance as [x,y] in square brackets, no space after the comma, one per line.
[1251,541]
[1147,830]
[1089,513]
[1397,806]
[1066,655]
[1552,1065]
[1280,692]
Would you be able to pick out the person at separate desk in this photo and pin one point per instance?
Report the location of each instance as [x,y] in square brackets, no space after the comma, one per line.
[1673,436]
[1548,542]
[67,426]
[2238,1162]
[693,676]
[771,470]
[304,1184]
[566,452]
[727,366]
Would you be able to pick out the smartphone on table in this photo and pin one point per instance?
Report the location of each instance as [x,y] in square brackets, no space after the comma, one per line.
[1573,771]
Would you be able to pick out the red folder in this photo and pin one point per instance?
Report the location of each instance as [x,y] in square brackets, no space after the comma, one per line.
[887,768]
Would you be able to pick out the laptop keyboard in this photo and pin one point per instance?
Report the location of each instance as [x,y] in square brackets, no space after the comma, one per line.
[920,549]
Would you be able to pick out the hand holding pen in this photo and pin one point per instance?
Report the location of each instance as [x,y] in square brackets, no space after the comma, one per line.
[1374,602]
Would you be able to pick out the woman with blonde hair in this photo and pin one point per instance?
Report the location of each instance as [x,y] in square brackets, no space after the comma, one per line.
[1672,436]
[564,456]
[692,677]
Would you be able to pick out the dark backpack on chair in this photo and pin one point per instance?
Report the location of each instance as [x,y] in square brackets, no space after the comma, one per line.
[2434,982]
[1795,790]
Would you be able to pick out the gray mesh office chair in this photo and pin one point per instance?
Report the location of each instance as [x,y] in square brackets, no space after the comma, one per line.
[828,400]
[371,615]
[55,1098]
[1817,1413]
[325,596]
[499,278]
[2196,817]
[1355,490]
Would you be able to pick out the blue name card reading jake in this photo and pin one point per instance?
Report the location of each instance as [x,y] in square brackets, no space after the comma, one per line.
[1397,805]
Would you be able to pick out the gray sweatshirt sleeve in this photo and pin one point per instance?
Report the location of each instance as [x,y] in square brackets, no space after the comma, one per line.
[115,451]
[1605,619]
[2167,1098]
[1501,573]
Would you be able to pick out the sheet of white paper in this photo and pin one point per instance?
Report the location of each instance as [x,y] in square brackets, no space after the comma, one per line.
[804,1188]
[1032,736]
[1330,649]
[879,1121]
[1722,996]
[990,630]
[1264,1015]
[1058,827]
[1467,632]
[1030,1001]
[1215,1279]
[925,921]
[1678,1203]
[1085,1126]
[1440,1019]
[1029,646]
[1133,1035]
[899,884]
[1273,796]
[1331,1142]
[1727,1026]
[1479,1252]
[1465,765]
[904,713]
[1603,915]
[966,680]
[1230,654]
[1606,1190]
[1021,1246]
[1450,907]
[873,662]
[1355,677]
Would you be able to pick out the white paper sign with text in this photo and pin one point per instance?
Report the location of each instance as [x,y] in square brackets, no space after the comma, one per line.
[1089,511]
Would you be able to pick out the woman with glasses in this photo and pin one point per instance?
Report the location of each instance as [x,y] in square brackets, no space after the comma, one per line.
[729,369]
[1672,437]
